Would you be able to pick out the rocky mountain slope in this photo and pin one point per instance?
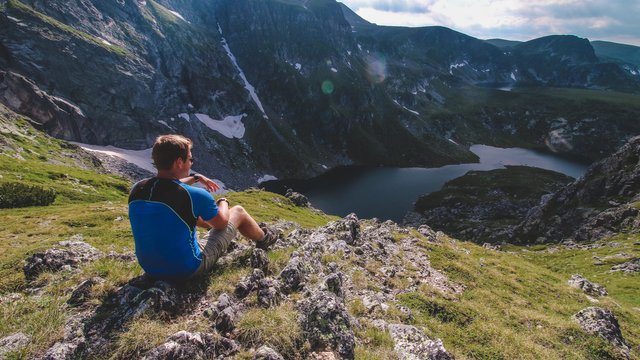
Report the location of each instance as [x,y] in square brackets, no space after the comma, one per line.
[485,206]
[331,288]
[536,206]
[601,203]
[290,88]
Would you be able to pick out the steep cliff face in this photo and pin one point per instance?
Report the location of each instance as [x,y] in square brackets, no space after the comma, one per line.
[601,203]
[287,88]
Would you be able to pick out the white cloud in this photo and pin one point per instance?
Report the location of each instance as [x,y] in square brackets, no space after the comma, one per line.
[512,19]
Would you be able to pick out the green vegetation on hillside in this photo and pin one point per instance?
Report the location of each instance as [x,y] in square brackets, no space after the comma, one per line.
[515,304]
[16,4]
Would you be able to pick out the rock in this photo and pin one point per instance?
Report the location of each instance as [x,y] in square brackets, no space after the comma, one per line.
[127,257]
[325,355]
[327,324]
[72,253]
[223,314]
[193,346]
[427,232]
[334,283]
[629,267]
[297,199]
[602,322]
[267,353]
[348,229]
[13,343]
[83,291]
[248,284]
[293,275]
[491,246]
[259,260]
[412,344]
[74,341]
[579,282]
[269,293]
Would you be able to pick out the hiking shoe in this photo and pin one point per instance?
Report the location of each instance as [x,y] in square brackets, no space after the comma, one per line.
[270,237]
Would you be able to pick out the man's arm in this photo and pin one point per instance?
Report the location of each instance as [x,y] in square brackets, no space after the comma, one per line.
[220,221]
[208,183]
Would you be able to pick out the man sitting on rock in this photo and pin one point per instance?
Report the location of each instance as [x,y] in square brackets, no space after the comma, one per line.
[165,210]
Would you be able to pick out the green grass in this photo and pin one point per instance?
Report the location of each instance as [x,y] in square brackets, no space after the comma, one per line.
[15,4]
[517,305]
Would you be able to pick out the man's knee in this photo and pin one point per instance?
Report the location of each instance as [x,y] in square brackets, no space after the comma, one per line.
[238,209]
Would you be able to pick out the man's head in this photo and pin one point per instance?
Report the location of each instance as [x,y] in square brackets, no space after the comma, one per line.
[172,153]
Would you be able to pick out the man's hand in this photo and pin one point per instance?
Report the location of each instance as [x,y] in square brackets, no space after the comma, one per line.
[209,184]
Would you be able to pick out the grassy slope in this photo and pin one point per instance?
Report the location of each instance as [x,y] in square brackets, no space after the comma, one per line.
[516,305]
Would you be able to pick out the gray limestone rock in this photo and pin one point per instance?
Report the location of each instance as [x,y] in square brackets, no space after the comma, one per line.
[248,284]
[579,282]
[327,324]
[267,353]
[413,344]
[602,322]
[629,267]
[259,260]
[334,283]
[297,199]
[13,342]
[70,253]
[194,346]
[223,314]
[269,293]
[293,275]
[83,291]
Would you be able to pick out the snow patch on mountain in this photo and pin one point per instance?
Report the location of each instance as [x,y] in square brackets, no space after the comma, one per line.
[140,158]
[406,108]
[513,76]
[266,178]
[230,127]
[247,85]
[455,66]
[178,15]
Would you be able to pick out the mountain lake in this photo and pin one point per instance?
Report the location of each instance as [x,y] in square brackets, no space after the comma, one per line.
[388,193]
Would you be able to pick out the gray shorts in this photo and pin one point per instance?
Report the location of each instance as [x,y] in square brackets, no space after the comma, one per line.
[213,246]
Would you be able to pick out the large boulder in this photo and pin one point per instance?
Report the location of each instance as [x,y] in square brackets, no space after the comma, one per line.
[297,199]
[327,324]
[70,255]
[602,322]
[194,346]
[413,344]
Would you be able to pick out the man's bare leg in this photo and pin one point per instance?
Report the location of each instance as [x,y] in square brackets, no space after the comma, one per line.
[245,224]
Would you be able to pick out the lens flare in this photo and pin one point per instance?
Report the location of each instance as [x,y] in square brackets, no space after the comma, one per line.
[376,68]
[327,87]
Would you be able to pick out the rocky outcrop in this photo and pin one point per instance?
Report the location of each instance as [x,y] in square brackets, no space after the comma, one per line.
[579,282]
[12,343]
[267,353]
[599,204]
[485,205]
[630,267]
[70,254]
[297,199]
[602,322]
[413,344]
[326,323]
[194,346]
[83,291]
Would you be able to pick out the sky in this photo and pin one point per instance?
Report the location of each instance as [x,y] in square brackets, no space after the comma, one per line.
[611,20]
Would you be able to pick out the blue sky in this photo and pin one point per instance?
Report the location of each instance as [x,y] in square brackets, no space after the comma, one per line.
[612,20]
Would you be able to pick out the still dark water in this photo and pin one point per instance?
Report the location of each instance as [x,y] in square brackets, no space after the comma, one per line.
[388,193]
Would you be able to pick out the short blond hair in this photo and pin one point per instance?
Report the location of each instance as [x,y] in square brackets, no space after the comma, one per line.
[168,148]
